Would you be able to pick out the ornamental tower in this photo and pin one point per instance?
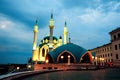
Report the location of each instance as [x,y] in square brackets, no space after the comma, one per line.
[34,57]
[65,33]
[60,41]
[51,26]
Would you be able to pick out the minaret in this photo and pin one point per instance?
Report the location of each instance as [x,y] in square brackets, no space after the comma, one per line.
[35,35]
[65,33]
[60,41]
[51,26]
[69,39]
[35,50]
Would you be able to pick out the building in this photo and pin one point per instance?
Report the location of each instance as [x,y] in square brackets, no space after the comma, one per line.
[47,44]
[109,53]
[52,50]
[103,54]
[115,42]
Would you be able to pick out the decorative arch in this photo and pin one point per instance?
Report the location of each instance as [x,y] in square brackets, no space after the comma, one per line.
[42,56]
[65,55]
[49,58]
[86,58]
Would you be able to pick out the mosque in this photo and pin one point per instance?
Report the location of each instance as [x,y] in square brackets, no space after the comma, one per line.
[55,50]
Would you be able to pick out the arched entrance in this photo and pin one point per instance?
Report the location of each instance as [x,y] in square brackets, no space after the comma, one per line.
[66,57]
[48,59]
[86,58]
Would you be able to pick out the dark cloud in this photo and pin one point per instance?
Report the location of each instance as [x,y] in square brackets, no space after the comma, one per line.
[14,12]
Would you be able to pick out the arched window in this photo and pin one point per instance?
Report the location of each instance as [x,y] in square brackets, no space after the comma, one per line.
[43,52]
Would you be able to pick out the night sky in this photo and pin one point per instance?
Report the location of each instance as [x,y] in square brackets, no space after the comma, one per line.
[89,23]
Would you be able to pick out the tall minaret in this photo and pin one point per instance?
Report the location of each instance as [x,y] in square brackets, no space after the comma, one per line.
[35,49]
[65,33]
[60,41]
[35,35]
[51,26]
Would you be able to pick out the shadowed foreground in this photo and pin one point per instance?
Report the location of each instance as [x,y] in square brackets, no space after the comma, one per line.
[105,74]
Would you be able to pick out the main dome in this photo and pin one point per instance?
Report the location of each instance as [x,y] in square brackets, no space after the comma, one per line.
[76,51]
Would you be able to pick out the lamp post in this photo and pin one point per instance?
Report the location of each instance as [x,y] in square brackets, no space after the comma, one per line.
[62,59]
[36,62]
[102,61]
[29,67]
[93,60]
[47,61]
[68,59]
[18,68]
[96,60]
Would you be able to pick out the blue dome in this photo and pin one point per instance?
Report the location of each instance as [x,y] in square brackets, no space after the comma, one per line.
[76,51]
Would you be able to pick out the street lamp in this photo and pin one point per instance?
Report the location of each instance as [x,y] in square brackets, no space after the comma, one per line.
[47,61]
[93,60]
[96,60]
[36,62]
[102,60]
[18,68]
[68,59]
[62,58]
[29,66]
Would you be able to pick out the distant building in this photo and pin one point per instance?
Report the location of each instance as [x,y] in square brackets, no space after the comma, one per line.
[115,41]
[52,50]
[109,53]
[103,54]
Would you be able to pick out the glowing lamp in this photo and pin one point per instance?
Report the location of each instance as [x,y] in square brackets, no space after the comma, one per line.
[18,68]
[68,56]
[62,57]
[47,61]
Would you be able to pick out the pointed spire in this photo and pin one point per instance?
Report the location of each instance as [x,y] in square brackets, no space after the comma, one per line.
[69,39]
[36,23]
[51,15]
[36,26]
[60,37]
[65,24]
[51,21]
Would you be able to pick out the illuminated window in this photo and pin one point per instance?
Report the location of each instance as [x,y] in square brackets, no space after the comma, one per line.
[55,41]
[46,40]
